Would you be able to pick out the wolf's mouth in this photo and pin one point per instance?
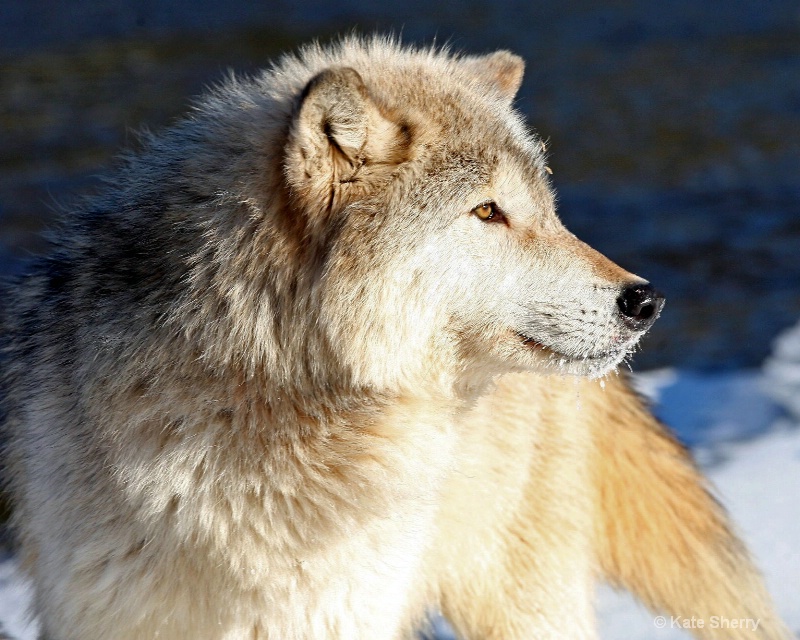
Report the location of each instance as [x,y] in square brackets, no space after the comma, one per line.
[535,345]
[532,343]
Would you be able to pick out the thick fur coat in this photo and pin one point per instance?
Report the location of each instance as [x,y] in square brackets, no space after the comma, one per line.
[321,359]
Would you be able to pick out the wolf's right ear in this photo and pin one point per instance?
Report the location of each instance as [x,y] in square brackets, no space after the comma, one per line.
[501,69]
[336,133]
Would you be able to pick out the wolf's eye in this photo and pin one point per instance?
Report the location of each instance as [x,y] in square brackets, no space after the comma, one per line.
[489,212]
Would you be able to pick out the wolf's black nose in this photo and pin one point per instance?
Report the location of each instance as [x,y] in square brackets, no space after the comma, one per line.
[639,306]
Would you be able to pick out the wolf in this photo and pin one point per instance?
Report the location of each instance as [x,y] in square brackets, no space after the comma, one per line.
[321,359]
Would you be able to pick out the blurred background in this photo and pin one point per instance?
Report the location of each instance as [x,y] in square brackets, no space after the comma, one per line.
[674,126]
[674,131]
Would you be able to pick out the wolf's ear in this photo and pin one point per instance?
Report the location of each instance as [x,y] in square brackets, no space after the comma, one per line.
[501,69]
[337,133]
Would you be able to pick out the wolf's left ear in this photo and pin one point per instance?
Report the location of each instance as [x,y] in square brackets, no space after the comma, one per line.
[337,136]
[501,69]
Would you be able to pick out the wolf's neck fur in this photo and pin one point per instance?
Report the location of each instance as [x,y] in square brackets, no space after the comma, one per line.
[285,467]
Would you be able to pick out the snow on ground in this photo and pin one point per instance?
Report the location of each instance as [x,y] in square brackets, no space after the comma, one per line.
[782,371]
[749,448]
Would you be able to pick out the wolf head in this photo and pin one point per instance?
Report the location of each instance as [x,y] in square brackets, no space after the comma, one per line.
[401,225]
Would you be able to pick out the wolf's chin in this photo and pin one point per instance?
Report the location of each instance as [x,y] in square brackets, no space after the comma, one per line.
[591,365]
[592,368]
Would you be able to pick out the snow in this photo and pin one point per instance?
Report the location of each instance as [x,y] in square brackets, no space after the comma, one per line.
[744,429]
[782,371]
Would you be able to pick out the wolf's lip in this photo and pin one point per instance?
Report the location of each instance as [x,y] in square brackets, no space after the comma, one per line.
[533,343]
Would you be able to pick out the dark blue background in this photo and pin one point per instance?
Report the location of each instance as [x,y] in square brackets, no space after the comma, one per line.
[674,127]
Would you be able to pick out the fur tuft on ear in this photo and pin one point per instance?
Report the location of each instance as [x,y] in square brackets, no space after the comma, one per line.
[501,69]
[337,137]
